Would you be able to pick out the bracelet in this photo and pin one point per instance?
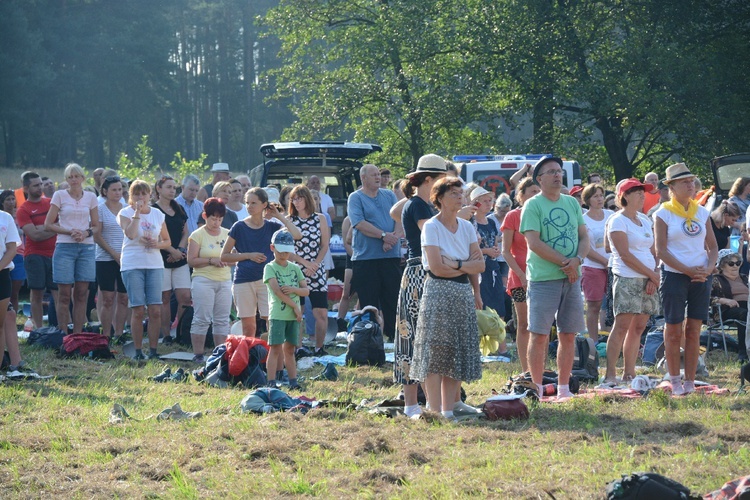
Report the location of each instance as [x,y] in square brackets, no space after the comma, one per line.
[460,263]
[135,217]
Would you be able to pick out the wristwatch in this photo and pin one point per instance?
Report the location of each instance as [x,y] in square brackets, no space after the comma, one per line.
[90,232]
[382,235]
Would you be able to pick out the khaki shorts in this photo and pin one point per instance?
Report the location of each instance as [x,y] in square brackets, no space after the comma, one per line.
[176,277]
[250,298]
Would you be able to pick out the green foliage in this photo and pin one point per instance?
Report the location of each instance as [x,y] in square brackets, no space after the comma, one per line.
[140,165]
[182,167]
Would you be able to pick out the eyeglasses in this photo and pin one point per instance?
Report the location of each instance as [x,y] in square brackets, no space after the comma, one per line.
[733,263]
[112,178]
[297,199]
[552,172]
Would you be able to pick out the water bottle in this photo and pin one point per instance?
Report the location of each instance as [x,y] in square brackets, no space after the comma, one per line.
[28,326]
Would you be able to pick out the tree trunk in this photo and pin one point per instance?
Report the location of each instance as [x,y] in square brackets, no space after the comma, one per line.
[616,148]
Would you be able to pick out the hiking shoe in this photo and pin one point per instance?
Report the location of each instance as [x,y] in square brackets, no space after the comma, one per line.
[199,358]
[342,324]
[179,376]
[153,356]
[273,384]
[295,387]
[177,413]
[139,357]
[199,374]
[163,376]
[321,352]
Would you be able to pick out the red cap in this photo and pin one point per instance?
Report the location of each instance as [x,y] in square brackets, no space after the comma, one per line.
[631,183]
[575,190]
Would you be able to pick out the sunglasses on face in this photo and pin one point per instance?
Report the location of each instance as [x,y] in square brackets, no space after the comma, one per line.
[733,263]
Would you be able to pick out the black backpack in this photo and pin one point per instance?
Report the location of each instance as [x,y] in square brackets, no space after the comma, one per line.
[46,336]
[586,359]
[365,343]
[647,486]
[183,329]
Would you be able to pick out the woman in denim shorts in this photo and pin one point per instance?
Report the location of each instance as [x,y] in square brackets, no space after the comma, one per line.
[141,264]
[74,216]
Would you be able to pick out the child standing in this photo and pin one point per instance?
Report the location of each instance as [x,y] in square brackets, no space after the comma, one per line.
[286,284]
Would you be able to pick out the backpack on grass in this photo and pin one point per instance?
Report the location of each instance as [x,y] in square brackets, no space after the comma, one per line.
[365,342]
[91,345]
[46,336]
[586,359]
[647,486]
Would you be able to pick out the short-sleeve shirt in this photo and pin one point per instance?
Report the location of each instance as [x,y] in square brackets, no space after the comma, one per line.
[210,247]
[557,224]
[289,275]
[376,211]
[111,232]
[248,240]
[640,241]
[74,214]
[686,242]
[193,211]
[518,246]
[415,209]
[35,212]
[325,203]
[175,226]
[596,230]
[8,234]
[134,254]
[456,246]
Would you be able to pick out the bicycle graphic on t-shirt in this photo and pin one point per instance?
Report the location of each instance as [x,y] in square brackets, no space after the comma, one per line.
[559,233]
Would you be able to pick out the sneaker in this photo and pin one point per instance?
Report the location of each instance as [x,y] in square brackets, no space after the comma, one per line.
[461,409]
[178,376]
[199,358]
[163,376]
[273,384]
[199,374]
[321,352]
[139,357]
[153,356]
[295,387]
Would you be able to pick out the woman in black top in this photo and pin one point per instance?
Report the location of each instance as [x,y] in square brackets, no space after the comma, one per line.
[723,219]
[416,212]
[176,271]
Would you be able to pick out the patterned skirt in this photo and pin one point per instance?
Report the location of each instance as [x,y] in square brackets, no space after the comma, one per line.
[409,296]
[447,340]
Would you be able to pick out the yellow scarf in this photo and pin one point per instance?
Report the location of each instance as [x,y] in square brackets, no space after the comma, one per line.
[677,209]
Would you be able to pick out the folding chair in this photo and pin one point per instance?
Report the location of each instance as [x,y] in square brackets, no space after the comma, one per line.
[721,327]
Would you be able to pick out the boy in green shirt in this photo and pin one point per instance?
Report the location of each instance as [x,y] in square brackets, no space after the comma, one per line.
[286,284]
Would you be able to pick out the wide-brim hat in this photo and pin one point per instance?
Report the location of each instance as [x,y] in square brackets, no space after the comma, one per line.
[538,165]
[220,167]
[430,164]
[676,172]
[477,192]
[624,185]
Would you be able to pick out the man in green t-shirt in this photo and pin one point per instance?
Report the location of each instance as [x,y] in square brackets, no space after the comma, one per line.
[286,284]
[558,242]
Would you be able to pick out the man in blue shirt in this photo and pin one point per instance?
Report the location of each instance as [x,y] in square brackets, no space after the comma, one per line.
[376,257]
[187,200]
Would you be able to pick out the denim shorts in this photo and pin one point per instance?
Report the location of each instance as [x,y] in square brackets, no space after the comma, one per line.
[144,286]
[555,300]
[74,262]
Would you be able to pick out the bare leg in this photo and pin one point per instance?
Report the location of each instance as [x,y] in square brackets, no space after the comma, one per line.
[592,318]
[166,313]
[15,289]
[154,323]
[614,344]
[289,361]
[672,341]
[410,394]
[106,306]
[321,326]
[273,360]
[248,326]
[565,353]
[80,299]
[692,348]
[62,305]
[633,344]
[522,335]
[537,354]
[136,326]
[432,386]
[11,337]
[121,312]
[183,300]
[449,386]
[344,302]
[37,310]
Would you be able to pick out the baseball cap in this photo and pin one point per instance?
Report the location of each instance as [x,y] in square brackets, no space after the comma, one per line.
[624,185]
[541,162]
[282,241]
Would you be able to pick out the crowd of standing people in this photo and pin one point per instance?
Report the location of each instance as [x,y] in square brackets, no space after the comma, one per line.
[427,254]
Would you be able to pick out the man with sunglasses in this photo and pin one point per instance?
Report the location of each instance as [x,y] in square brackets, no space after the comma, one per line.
[555,232]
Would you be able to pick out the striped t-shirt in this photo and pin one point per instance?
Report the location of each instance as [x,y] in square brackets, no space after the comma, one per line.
[111,232]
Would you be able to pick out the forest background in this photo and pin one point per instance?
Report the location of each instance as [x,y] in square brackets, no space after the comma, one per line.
[623,86]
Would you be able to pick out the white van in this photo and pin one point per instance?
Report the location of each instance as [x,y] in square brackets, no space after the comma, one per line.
[493,172]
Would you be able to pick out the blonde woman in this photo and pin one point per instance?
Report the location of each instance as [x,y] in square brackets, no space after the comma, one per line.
[74,216]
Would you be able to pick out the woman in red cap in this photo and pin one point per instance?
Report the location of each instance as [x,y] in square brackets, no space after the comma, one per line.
[636,279]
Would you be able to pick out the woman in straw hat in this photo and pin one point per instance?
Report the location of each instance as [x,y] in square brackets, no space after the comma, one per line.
[686,246]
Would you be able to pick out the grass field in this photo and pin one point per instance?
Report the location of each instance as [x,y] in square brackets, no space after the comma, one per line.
[55,440]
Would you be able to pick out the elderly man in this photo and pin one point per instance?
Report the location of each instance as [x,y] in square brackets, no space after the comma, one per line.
[558,241]
[245,183]
[376,275]
[326,202]
[221,173]
[187,200]
[652,193]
